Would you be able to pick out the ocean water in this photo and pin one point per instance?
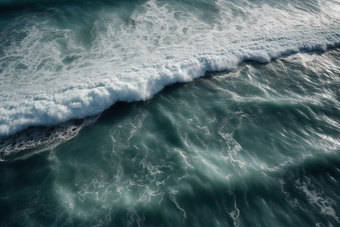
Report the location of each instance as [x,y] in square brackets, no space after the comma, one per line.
[169,113]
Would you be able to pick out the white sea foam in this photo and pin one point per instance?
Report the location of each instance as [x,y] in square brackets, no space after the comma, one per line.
[47,77]
[317,199]
[31,141]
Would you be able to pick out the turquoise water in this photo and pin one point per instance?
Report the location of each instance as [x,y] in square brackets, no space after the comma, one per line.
[151,113]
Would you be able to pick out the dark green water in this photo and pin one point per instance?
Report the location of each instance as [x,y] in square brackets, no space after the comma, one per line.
[170,113]
[257,146]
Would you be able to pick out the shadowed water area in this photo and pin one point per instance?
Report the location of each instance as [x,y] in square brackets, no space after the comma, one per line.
[258,146]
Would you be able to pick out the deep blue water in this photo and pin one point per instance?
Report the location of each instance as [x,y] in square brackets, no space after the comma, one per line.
[169,113]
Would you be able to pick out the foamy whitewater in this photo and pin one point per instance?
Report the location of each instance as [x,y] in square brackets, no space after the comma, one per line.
[61,66]
[169,113]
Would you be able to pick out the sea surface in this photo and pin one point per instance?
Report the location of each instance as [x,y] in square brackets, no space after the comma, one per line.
[170,113]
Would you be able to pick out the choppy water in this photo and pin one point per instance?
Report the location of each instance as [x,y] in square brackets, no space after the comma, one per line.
[248,144]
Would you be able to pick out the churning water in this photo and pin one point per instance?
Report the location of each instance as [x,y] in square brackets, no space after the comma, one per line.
[92,135]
